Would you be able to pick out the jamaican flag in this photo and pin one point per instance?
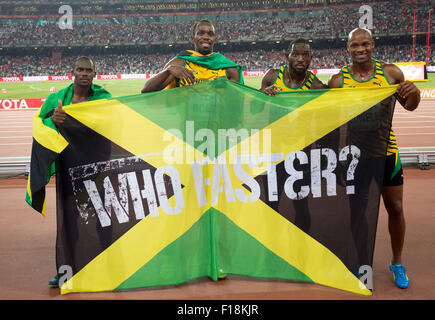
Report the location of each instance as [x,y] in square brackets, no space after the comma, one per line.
[48,143]
[219,178]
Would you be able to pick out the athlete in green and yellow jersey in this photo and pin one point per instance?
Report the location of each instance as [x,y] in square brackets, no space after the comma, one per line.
[191,67]
[294,75]
[367,72]
[377,79]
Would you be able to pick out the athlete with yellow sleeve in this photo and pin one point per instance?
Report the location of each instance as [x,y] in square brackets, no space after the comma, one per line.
[191,67]
[367,72]
[294,76]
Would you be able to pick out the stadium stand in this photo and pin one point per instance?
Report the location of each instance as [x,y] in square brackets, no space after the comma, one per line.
[139,36]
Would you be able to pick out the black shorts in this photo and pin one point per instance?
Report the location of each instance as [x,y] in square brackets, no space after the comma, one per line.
[393,173]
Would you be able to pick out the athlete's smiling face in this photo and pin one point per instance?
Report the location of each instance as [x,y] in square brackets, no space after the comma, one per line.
[360,46]
[204,38]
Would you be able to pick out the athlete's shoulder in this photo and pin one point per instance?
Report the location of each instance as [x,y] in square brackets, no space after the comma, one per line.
[272,72]
[175,61]
[100,92]
[52,99]
[269,77]
[336,80]
[393,73]
[318,84]
[55,96]
[233,74]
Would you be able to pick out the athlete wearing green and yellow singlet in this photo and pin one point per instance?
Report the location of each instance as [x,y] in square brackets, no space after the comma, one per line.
[393,173]
[191,67]
[294,76]
[205,67]
[283,87]
[195,66]
[365,71]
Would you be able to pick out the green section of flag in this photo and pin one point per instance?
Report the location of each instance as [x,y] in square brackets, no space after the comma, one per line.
[195,254]
[240,253]
[188,257]
[236,107]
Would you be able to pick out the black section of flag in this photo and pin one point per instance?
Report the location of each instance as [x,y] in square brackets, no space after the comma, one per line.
[344,223]
[42,158]
[91,159]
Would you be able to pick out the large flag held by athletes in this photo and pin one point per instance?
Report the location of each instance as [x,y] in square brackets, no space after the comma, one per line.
[218,178]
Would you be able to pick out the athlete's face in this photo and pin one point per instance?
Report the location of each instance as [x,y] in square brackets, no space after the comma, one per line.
[204,38]
[299,58]
[360,47]
[84,73]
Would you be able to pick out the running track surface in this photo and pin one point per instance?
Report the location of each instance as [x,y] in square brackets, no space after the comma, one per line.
[27,240]
[27,255]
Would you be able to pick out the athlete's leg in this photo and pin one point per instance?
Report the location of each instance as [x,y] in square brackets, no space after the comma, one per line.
[393,200]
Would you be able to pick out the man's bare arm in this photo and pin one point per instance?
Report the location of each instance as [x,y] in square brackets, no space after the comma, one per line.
[174,69]
[317,84]
[233,74]
[335,81]
[267,82]
[408,94]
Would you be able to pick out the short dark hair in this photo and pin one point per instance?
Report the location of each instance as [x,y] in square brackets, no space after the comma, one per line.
[84,58]
[298,41]
[193,30]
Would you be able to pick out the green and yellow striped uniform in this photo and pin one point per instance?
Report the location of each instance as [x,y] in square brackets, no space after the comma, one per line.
[282,86]
[378,79]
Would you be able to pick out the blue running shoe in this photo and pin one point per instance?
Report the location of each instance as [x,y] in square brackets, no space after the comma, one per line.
[54,282]
[399,275]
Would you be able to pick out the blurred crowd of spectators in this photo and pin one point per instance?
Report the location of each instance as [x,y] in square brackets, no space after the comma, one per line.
[249,60]
[41,7]
[388,18]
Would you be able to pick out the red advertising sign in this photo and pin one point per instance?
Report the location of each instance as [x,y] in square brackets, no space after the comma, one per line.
[20,104]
